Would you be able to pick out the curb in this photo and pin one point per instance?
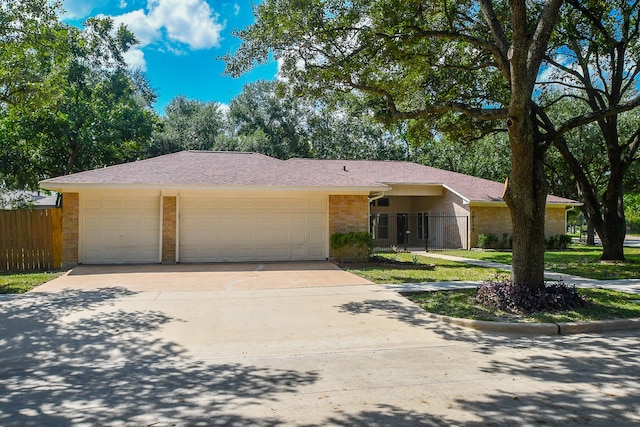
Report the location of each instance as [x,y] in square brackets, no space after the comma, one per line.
[599,326]
[541,328]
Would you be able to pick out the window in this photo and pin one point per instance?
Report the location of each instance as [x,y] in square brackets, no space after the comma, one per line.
[384,202]
[380,226]
[420,226]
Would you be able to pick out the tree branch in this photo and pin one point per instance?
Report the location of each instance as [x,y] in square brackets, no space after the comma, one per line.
[486,6]
[439,108]
[544,28]
[595,116]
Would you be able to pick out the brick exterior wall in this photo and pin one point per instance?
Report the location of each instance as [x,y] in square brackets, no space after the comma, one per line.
[70,229]
[348,213]
[497,220]
[169,204]
[555,222]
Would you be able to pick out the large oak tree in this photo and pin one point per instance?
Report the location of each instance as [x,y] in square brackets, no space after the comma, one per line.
[422,60]
[594,65]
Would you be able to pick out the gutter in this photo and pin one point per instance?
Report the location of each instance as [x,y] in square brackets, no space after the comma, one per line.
[68,187]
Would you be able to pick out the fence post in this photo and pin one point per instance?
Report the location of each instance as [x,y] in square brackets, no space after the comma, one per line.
[56,229]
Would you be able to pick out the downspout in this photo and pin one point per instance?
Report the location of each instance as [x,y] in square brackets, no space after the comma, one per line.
[375,196]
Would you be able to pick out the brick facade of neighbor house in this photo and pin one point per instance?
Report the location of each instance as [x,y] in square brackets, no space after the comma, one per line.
[169,204]
[497,220]
[555,221]
[70,227]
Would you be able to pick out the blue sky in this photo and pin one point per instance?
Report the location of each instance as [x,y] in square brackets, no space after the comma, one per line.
[180,40]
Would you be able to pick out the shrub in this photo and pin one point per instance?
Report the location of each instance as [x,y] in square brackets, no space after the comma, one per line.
[502,294]
[487,241]
[558,242]
[507,241]
[353,246]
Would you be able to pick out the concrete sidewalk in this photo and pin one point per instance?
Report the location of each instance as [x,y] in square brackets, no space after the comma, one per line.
[625,285]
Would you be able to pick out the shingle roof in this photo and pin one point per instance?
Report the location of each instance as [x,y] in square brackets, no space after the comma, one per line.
[397,172]
[238,169]
[210,168]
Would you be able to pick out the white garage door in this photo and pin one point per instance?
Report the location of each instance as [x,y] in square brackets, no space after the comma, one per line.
[220,229]
[120,229]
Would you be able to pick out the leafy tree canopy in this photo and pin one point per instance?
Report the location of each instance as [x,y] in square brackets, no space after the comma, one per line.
[101,114]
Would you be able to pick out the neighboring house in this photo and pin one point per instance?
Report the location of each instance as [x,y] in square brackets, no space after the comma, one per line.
[200,206]
[16,199]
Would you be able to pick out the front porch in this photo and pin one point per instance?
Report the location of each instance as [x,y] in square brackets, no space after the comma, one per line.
[418,231]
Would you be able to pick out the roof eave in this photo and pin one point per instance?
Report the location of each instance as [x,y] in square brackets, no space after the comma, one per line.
[72,187]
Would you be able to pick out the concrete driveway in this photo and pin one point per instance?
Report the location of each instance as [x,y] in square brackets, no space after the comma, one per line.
[154,346]
[205,277]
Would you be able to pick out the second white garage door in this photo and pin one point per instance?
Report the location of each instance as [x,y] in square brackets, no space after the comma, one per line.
[274,229]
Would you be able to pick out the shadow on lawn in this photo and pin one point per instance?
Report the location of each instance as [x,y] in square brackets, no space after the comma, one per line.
[72,358]
[583,379]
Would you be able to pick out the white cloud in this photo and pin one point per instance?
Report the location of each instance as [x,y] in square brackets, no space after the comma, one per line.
[236,9]
[176,23]
[224,108]
[135,59]
[137,21]
[191,22]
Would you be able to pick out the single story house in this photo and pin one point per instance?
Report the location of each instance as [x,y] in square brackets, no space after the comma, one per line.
[203,206]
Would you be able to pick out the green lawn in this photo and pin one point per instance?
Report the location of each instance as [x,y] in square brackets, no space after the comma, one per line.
[444,271]
[604,305]
[17,283]
[578,260]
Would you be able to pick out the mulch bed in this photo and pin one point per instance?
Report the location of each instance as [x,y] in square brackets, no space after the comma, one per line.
[386,263]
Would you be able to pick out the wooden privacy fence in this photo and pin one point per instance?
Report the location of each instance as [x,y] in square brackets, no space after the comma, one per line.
[30,239]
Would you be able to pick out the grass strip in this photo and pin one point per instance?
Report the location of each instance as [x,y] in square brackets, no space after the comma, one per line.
[18,283]
[444,271]
[577,260]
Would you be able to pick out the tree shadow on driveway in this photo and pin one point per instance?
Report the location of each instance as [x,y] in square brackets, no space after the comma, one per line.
[67,359]
[567,380]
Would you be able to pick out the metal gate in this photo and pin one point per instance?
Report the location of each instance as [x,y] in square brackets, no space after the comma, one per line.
[422,231]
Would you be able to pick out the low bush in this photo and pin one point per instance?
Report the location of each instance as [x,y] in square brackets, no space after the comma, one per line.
[501,293]
[558,242]
[491,241]
[353,246]
[487,241]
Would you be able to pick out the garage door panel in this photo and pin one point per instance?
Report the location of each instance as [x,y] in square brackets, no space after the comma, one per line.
[120,230]
[252,229]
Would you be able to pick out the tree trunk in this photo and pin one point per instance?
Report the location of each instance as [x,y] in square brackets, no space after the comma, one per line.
[591,233]
[526,195]
[614,229]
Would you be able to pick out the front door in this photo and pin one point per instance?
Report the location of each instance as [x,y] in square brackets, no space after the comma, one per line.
[402,225]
